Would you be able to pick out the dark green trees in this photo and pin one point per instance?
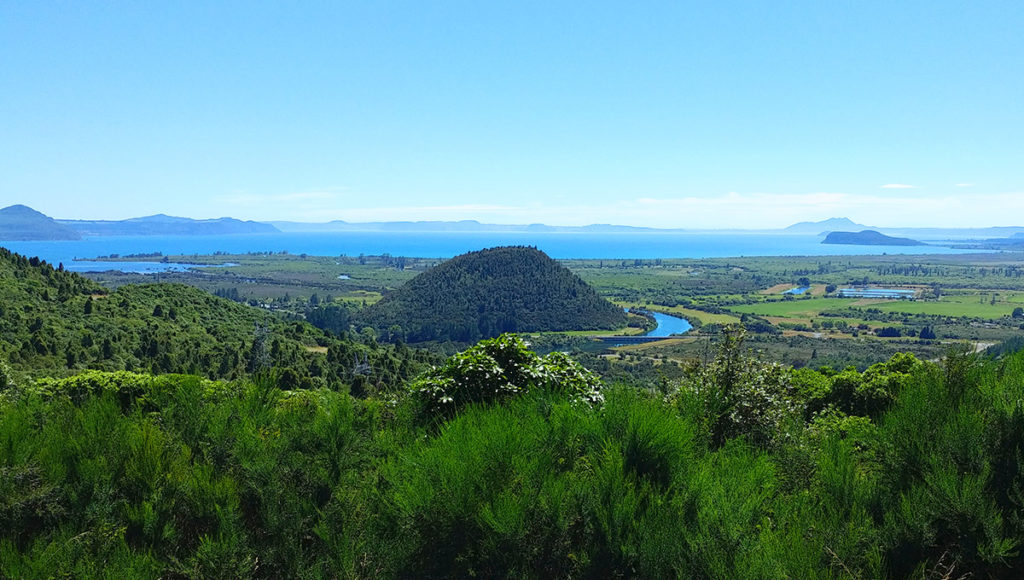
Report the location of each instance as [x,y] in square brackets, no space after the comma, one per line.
[490,292]
[55,322]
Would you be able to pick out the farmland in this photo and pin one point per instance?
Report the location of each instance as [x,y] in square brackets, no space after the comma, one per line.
[959,297]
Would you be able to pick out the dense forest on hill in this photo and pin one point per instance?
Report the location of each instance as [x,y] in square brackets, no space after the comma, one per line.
[54,322]
[739,469]
[483,294]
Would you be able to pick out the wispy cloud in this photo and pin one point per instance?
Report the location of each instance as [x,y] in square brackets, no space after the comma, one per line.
[297,196]
[429,212]
[898,186]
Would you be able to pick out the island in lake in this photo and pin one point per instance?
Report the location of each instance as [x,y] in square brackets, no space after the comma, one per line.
[868,238]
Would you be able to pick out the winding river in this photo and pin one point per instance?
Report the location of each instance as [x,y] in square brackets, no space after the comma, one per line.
[668,325]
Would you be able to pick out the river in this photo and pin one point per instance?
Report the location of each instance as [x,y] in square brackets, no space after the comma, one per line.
[668,325]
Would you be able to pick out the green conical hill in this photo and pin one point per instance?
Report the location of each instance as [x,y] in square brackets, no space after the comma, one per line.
[483,294]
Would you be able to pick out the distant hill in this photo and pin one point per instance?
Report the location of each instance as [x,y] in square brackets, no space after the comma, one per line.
[20,222]
[824,226]
[868,238]
[165,225]
[449,226]
[483,294]
[55,322]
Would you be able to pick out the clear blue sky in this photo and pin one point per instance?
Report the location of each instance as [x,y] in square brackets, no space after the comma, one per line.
[698,114]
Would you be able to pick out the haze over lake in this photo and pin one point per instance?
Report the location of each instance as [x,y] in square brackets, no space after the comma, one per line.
[448,244]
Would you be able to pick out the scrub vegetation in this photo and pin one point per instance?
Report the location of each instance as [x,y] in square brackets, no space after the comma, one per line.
[497,461]
[739,469]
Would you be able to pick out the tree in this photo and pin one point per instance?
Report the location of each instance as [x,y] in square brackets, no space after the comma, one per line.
[259,356]
[1018,312]
[739,394]
[927,333]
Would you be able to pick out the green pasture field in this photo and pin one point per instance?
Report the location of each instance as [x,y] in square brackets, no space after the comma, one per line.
[972,305]
[278,276]
[799,308]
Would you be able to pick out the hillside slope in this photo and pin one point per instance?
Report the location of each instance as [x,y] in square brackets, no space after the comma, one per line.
[20,222]
[483,294]
[54,322]
[829,225]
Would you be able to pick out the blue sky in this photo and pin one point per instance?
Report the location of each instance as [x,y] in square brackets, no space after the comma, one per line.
[674,114]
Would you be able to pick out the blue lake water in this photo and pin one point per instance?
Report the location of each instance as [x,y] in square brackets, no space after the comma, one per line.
[448,244]
[799,290]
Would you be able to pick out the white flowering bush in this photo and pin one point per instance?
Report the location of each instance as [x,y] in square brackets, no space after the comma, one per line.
[497,369]
[6,381]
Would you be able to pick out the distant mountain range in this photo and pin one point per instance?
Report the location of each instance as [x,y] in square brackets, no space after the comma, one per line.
[824,227]
[19,222]
[22,223]
[441,226]
[165,225]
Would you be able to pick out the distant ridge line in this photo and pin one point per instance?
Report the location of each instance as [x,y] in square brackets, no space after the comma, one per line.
[163,224]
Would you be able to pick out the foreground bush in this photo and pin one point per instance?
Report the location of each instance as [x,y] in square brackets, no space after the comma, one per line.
[135,476]
[497,369]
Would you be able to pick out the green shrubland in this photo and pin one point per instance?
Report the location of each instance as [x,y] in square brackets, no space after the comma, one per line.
[739,469]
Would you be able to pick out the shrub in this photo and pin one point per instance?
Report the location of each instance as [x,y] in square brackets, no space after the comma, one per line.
[497,369]
[740,395]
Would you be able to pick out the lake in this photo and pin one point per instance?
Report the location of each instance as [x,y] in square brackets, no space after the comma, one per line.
[609,246]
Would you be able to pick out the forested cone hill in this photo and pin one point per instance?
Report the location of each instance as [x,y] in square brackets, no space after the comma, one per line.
[483,294]
[55,322]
